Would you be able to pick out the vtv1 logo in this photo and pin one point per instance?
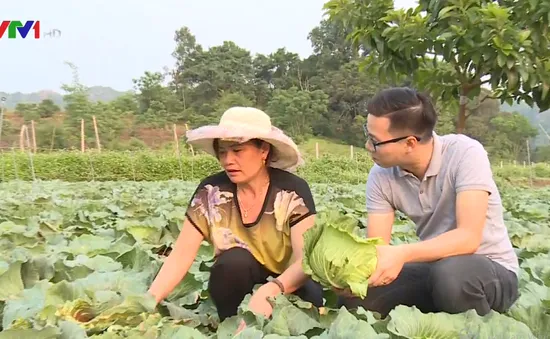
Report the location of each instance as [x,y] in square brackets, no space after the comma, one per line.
[16,26]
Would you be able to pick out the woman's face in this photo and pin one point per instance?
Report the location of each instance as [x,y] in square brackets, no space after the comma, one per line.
[242,162]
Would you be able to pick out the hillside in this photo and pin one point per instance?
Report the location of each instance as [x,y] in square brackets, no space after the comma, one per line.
[96,93]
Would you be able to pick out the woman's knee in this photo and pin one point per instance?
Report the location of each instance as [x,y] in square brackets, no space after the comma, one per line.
[232,261]
[234,267]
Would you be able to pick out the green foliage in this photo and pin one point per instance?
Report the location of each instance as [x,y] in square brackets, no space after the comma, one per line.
[293,110]
[454,47]
[510,127]
[142,165]
[324,95]
[76,260]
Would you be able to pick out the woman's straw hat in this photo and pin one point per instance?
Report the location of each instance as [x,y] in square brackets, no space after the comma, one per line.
[245,123]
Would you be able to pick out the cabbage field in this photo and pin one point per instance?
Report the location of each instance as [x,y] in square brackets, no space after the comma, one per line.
[77,258]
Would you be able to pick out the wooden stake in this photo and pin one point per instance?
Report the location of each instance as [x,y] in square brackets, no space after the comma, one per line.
[528,152]
[351,151]
[317,150]
[33,136]
[529,163]
[191,146]
[176,138]
[96,134]
[22,137]
[82,137]
[53,138]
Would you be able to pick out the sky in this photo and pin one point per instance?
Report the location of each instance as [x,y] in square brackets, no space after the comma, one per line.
[114,41]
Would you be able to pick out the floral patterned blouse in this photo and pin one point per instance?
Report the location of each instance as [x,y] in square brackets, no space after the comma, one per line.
[214,212]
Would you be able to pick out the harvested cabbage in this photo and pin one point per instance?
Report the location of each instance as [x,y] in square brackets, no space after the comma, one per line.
[336,257]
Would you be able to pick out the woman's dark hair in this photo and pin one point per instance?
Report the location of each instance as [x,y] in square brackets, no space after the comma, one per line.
[256,142]
[407,110]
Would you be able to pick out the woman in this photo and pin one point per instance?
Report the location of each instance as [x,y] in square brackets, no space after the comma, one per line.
[253,212]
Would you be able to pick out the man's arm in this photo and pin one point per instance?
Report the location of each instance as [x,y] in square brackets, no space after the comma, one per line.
[473,184]
[471,210]
[380,225]
[381,213]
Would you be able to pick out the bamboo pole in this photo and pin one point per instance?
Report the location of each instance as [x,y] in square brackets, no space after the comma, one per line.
[82,136]
[98,143]
[33,136]
[317,150]
[174,127]
[22,138]
[191,146]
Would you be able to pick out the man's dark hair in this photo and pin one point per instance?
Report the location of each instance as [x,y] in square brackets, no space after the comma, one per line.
[407,110]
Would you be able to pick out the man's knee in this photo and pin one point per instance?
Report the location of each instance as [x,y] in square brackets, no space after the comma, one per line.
[311,292]
[457,285]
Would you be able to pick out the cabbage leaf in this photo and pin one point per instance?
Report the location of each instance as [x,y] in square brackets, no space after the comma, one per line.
[336,257]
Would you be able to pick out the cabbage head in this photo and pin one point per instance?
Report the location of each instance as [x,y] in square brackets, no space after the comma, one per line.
[336,257]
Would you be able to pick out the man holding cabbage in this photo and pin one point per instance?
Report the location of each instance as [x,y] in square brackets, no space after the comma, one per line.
[464,259]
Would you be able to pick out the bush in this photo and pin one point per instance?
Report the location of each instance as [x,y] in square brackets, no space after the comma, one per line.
[155,166]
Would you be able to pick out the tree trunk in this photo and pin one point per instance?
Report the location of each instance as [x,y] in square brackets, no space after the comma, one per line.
[466,88]
[461,119]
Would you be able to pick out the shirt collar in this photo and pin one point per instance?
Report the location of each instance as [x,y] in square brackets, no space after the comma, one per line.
[435,162]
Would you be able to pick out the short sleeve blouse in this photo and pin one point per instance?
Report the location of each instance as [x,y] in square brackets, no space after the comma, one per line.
[213,211]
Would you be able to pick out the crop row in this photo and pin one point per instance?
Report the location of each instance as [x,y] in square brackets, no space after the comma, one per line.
[149,166]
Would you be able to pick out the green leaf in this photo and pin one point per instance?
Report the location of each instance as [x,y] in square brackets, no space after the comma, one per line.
[45,333]
[292,319]
[545,90]
[524,34]
[409,322]
[513,80]
[501,60]
[446,12]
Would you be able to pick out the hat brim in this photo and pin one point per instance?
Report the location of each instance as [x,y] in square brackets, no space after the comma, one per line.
[285,152]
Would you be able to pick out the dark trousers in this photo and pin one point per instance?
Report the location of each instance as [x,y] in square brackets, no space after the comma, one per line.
[233,276]
[451,285]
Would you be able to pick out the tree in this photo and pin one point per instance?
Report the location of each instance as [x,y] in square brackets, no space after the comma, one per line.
[294,111]
[510,133]
[454,47]
[47,108]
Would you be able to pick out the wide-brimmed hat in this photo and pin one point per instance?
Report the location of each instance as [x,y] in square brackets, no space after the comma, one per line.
[241,124]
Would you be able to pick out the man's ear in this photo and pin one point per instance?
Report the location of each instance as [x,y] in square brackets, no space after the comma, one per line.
[411,144]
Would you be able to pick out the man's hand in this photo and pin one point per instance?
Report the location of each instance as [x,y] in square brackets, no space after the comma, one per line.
[390,262]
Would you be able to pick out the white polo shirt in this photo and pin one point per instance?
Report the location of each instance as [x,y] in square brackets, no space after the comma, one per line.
[458,163]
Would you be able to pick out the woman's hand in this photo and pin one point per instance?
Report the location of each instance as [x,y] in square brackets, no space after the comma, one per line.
[259,304]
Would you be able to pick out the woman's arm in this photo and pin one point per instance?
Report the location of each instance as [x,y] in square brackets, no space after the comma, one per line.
[294,277]
[178,262]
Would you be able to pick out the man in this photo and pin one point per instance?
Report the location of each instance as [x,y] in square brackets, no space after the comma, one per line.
[444,184]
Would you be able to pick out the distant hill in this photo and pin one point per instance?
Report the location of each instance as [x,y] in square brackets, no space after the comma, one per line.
[535,117]
[96,93]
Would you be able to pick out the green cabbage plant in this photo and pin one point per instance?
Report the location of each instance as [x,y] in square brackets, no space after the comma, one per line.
[336,257]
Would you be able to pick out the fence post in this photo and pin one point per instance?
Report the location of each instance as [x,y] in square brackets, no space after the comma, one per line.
[316,150]
[82,136]
[178,150]
[98,143]
[15,170]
